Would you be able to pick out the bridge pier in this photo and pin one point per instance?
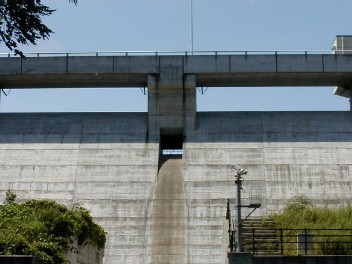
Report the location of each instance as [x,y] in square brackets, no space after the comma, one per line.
[171,100]
[171,114]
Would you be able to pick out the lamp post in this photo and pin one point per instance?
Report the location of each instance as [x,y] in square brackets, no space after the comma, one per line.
[238,181]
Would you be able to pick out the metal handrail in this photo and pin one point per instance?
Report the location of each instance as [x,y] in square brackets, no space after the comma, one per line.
[175,53]
[285,239]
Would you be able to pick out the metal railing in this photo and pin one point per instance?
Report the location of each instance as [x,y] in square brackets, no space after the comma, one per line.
[301,242]
[175,53]
[172,152]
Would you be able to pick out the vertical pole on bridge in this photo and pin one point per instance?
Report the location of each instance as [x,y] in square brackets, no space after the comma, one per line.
[191,24]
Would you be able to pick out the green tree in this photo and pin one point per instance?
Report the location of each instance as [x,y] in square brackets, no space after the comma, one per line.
[21,23]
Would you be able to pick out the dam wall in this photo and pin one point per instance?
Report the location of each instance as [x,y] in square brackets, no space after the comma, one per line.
[106,162]
[101,160]
[286,154]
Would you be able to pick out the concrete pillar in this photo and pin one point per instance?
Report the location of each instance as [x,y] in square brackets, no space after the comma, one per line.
[171,100]
[153,109]
[190,103]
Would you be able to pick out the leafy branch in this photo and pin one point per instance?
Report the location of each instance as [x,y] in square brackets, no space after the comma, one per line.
[21,23]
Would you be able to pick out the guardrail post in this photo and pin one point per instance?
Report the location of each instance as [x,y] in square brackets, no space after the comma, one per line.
[253,240]
[67,62]
[305,241]
[281,242]
[232,240]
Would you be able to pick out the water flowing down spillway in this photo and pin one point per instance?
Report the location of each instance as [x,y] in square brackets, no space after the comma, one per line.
[167,217]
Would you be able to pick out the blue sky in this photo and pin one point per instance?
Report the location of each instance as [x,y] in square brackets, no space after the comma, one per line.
[164,25]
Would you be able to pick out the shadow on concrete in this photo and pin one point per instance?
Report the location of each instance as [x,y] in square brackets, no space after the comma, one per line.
[71,128]
[211,127]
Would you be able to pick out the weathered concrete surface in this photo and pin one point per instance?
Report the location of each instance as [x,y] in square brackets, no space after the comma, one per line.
[167,215]
[105,161]
[171,110]
[101,160]
[210,70]
[86,254]
[286,153]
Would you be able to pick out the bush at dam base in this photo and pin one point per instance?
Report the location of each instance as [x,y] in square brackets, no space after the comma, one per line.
[46,230]
[331,228]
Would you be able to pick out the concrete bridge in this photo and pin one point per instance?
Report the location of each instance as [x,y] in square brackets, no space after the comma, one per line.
[217,70]
[171,209]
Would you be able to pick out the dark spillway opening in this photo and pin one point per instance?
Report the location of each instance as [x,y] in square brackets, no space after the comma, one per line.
[171,144]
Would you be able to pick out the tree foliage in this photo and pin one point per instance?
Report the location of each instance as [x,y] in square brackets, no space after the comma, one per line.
[21,23]
[46,230]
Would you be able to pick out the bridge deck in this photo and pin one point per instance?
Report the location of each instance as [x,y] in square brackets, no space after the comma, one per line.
[210,70]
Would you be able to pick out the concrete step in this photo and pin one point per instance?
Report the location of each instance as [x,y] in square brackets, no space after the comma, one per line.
[259,235]
[260,241]
[259,232]
[265,237]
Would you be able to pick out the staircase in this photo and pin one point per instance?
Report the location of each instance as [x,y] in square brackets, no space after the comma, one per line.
[265,237]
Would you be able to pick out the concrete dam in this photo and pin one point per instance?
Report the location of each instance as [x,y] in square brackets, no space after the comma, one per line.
[159,208]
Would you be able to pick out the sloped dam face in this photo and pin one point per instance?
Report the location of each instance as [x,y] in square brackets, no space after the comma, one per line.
[167,215]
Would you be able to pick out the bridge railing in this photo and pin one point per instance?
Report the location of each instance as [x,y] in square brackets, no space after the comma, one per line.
[175,53]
